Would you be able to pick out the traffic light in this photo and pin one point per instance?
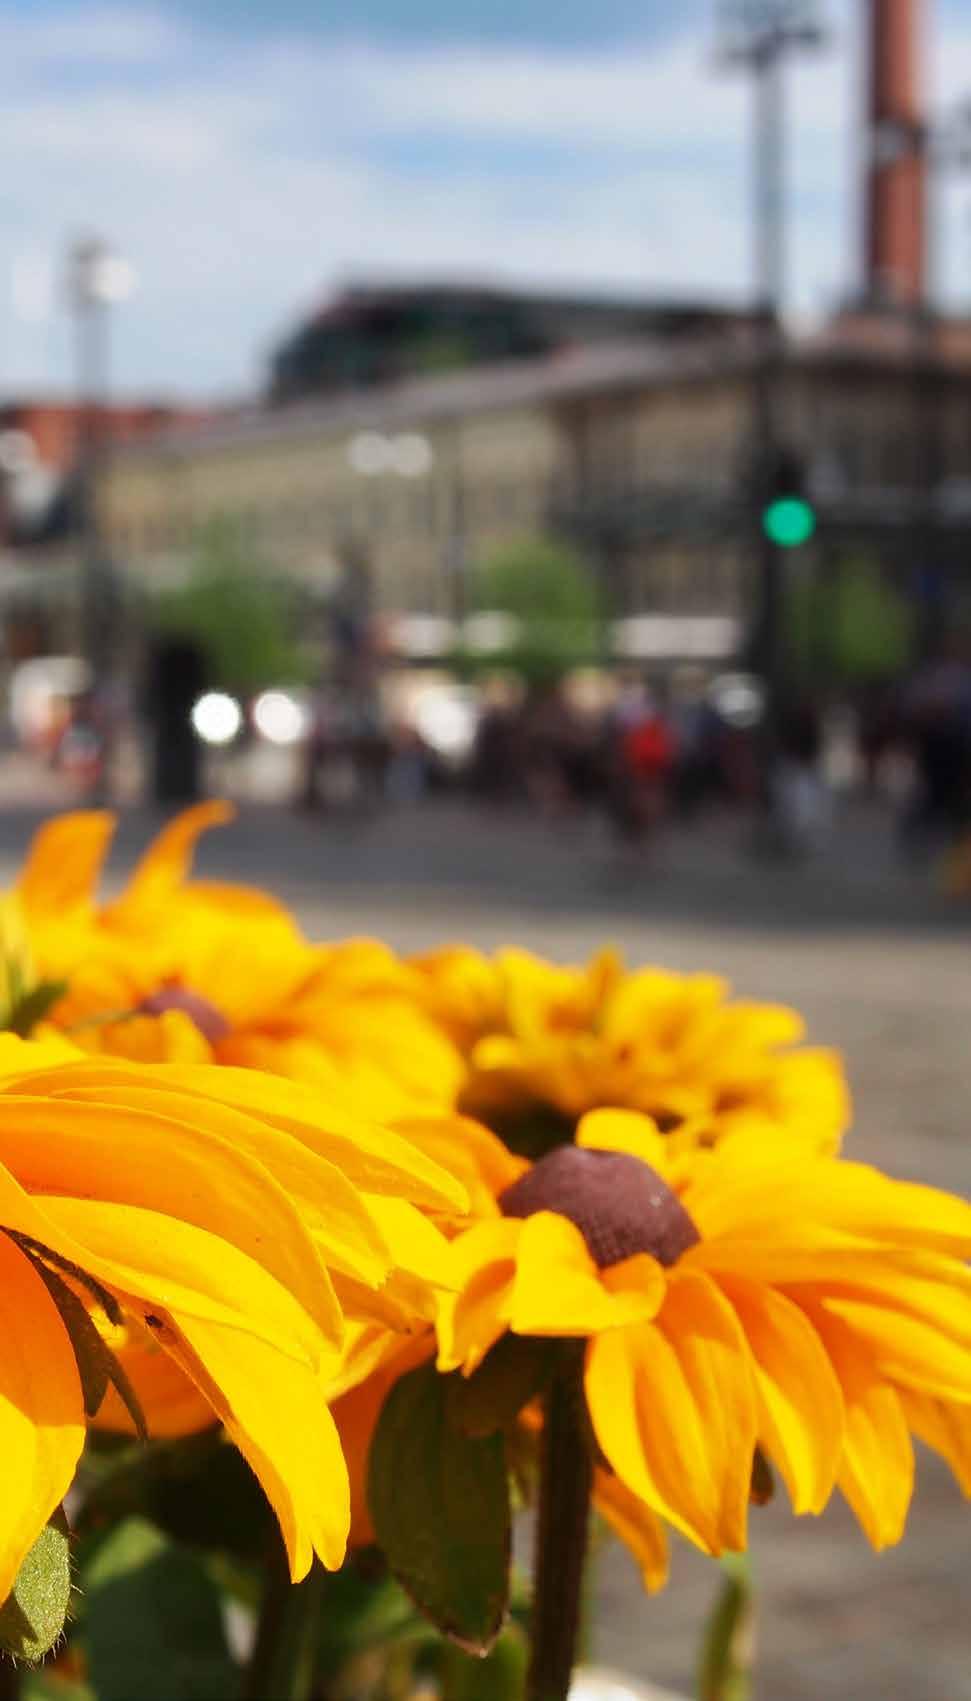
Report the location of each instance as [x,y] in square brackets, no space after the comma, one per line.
[788,516]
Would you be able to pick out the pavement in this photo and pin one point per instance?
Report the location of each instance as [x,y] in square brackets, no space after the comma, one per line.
[879,963]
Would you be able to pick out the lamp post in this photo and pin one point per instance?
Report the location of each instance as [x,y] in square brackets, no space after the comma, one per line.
[946,146]
[98,278]
[758,37]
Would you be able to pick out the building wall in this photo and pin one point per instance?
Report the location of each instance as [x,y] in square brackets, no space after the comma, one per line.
[647,475]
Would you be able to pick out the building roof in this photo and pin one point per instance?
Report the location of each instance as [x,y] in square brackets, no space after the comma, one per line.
[568,375]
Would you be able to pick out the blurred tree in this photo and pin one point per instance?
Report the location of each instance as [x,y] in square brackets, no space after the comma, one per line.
[237,610]
[547,593]
[853,621]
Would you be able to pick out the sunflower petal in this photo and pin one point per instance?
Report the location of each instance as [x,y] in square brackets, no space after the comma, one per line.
[165,865]
[274,1409]
[41,1410]
[371,1156]
[877,1464]
[800,1400]
[161,1262]
[64,862]
[673,1408]
[820,1199]
[877,1472]
[623,1131]
[483,1264]
[907,1350]
[558,1289]
[343,1226]
[640,1529]
[944,1426]
[111,1151]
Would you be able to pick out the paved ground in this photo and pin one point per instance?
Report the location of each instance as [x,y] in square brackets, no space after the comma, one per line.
[881,966]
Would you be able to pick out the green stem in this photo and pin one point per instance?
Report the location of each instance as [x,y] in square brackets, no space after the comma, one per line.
[281,1666]
[725,1665]
[566,1479]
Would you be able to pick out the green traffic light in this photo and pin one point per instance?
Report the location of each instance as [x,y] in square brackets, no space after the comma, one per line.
[788,522]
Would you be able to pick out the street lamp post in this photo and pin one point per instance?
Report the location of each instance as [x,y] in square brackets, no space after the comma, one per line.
[757,37]
[97,278]
[946,147]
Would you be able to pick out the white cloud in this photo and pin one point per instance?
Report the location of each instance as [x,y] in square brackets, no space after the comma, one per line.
[242,180]
[91,36]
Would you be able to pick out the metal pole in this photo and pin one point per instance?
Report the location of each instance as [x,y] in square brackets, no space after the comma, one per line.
[456,564]
[98,592]
[91,340]
[769,176]
[927,434]
[769,283]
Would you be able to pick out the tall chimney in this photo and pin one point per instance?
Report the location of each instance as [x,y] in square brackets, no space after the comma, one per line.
[896,165]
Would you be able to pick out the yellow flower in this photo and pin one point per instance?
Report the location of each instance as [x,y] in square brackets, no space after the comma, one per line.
[212,1214]
[540,1038]
[753,1296]
[180,970]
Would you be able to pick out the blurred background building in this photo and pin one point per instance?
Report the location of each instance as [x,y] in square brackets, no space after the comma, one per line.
[407,431]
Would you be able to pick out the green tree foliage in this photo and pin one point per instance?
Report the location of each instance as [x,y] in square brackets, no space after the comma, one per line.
[854,622]
[240,612]
[548,590]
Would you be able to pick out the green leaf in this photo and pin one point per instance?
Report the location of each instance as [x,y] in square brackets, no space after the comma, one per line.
[439,1501]
[513,1373]
[500,1677]
[152,1625]
[29,1008]
[32,1617]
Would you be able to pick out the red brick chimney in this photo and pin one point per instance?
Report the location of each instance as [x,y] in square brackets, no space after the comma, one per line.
[896,165]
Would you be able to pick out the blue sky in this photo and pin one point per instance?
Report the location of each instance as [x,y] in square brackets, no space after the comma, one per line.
[246,158]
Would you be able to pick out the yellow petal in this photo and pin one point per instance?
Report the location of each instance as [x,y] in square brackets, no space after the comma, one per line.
[906,1350]
[118,1153]
[41,1410]
[624,1131]
[274,1409]
[640,1529]
[736,1197]
[415,1244]
[166,863]
[673,1408]
[342,1225]
[800,1400]
[162,1262]
[877,1464]
[877,1472]
[171,1402]
[946,1427]
[467,1150]
[64,862]
[470,1321]
[370,1155]
[558,1289]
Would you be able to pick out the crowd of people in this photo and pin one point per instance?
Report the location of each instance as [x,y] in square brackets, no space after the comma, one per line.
[642,752]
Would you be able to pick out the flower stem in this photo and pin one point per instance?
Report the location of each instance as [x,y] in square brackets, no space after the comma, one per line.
[566,1479]
[281,1665]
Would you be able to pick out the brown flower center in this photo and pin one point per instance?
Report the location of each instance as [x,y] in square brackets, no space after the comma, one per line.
[210,1022]
[620,1204]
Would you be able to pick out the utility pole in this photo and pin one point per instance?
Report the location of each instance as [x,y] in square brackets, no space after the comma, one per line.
[945,149]
[96,279]
[758,37]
